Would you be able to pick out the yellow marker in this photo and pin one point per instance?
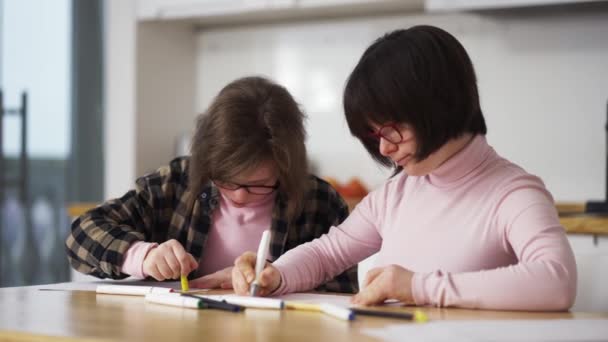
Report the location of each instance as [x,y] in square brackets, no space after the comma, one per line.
[185,286]
[420,317]
[345,314]
[302,306]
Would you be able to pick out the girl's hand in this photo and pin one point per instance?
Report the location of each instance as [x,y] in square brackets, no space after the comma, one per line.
[382,283]
[169,261]
[220,279]
[243,274]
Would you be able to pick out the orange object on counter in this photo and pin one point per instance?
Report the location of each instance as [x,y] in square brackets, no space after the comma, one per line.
[333,182]
[354,188]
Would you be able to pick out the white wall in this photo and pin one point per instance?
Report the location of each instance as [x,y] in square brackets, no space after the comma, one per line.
[543,78]
[119,97]
[165,84]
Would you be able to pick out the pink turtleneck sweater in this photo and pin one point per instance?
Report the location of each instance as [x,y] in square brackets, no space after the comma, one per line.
[478,232]
[234,231]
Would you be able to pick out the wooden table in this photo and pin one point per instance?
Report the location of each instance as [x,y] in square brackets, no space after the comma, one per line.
[29,314]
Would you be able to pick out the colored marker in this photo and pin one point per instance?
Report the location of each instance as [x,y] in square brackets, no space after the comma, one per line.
[339,312]
[206,303]
[387,314]
[190,301]
[420,316]
[185,286]
[260,261]
[250,302]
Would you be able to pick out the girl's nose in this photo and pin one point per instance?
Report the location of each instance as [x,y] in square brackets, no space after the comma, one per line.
[240,195]
[386,147]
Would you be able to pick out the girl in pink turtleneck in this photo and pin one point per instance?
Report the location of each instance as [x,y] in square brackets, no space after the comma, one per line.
[457,224]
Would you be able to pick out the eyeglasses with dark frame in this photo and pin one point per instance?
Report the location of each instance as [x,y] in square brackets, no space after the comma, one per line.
[390,132]
[252,189]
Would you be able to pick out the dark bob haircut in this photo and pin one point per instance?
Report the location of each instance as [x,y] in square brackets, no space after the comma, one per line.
[421,76]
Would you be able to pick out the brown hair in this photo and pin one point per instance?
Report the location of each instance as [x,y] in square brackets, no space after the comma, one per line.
[252,120]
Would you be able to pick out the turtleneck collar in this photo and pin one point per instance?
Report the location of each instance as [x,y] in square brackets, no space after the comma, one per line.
[463,164]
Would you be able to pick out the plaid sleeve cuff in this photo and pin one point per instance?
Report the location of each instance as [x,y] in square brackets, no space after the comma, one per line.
[134,259]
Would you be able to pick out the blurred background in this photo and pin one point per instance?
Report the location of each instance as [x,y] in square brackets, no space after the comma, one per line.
[110,90]
[51,131]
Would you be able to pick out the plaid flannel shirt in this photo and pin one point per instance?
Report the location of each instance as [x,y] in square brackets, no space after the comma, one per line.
[157,211]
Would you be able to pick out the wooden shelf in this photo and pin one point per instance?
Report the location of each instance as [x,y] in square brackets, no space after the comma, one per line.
[585,224]
[77,209]
[565,208]
[572,216]
[235,12]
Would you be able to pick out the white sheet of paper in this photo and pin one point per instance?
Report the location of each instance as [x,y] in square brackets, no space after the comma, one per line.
[249,302]
[312,298]
[342,301]
[339,300]
[92,285]
[496,330]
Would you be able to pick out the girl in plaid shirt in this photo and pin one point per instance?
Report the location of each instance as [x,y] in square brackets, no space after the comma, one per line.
[247,173]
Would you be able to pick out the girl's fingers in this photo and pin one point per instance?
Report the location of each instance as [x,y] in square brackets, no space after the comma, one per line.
[371,294]
[246,266]
[239,283]
[186,260]
[173,265]
[371,275]
[154,272]
[193,263]
[210,281]
[164,269]
[373,289]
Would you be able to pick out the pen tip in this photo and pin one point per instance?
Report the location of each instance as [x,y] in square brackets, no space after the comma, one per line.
[253,289]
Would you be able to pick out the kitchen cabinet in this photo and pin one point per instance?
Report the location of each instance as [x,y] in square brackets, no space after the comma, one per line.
[188,9]
[591,254]
[213,12]
[226,12]
[348,7]
[451,5]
